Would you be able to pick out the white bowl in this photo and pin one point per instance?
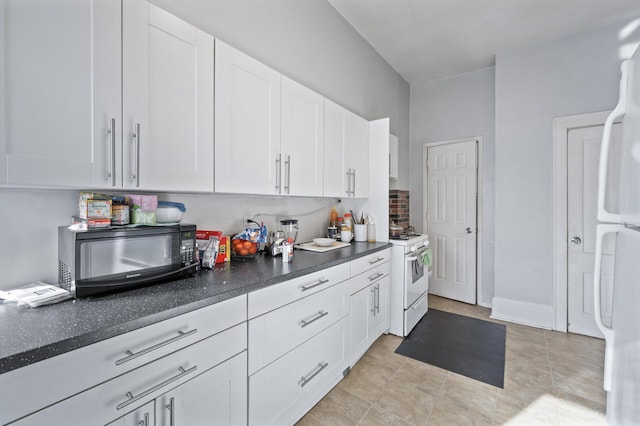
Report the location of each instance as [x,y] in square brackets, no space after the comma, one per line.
[324,242]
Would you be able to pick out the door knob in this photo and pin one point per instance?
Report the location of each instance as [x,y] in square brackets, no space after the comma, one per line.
[469,230]
[576,240]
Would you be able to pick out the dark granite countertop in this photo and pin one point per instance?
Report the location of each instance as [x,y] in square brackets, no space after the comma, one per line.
[31,335]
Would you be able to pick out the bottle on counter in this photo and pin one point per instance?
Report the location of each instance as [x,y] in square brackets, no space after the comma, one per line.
[371,231]
[333,217]
[287,251]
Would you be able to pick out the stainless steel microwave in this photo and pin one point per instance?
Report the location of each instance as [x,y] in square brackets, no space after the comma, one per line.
[96,261]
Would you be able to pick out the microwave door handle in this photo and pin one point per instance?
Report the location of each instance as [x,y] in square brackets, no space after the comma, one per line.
[617,113]
[601,231]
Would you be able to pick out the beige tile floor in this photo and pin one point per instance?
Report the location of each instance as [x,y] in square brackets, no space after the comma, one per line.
[551,378]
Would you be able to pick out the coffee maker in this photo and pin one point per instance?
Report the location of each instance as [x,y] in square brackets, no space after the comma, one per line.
[288,230]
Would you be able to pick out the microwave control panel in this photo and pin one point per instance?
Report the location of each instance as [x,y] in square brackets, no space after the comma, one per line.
[187,248]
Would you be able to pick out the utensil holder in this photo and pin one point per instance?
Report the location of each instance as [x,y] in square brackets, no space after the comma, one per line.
[360,232]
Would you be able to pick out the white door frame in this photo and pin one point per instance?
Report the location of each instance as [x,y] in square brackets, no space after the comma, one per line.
[561,127]
[479,222]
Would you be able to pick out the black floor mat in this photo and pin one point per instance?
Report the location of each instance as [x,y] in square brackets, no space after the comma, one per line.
[463,345]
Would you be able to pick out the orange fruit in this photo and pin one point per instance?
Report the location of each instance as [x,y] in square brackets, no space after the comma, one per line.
[247,245]
[253,249]
[243,252]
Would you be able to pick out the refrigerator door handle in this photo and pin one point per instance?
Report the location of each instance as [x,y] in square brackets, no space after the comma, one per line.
[601,231]
[617,113]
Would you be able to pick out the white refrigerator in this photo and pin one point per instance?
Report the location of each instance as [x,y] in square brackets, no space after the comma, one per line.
[622,335]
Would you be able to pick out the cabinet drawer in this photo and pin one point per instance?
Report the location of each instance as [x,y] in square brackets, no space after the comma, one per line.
[275,333]
[33,386]
[363,280]
[117,397]
[360,265]
[285,390]
[270,298]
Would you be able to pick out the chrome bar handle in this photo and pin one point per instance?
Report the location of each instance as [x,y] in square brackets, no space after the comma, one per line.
[373,291]
[287,172]
[133,398]
[348,182]
[310,286]
[111,172]
[320,314]
[376,276]
[278,171]
[171,409]
[131,355]
[378,298]
[376,260]
[304,380]
[135,175]
[145,421]
[353,188]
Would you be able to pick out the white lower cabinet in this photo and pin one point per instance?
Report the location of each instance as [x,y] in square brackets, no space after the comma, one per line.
[216,397]
[285,390]
[369,317]
[207,381]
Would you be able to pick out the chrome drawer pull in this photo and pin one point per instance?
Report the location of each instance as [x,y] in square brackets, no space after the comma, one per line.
[320,314]
[376,276]
[310,286]
[132,355]
[131,398]
[304,380]
[171,409]
[376,260]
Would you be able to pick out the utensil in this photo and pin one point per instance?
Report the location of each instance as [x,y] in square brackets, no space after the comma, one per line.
[353,215]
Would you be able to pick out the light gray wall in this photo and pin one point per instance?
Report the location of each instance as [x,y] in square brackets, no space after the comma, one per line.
[575,75]
[455,108]
[305,40]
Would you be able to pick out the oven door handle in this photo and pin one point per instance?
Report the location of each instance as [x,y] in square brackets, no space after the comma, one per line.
[417,253]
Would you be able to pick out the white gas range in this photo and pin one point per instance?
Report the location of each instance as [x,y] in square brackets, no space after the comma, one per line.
[410,282]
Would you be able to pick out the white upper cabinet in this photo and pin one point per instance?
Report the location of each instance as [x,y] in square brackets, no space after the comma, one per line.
[61,107]
[105,94]
[302,145]
[167,101]
[393,157]
[346,159]
[247,130]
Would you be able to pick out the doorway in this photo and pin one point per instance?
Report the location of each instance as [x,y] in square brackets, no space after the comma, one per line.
[451,171]
[576,155]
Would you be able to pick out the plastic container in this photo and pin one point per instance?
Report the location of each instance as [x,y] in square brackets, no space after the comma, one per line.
[333,217]
[169,212]
[371,232]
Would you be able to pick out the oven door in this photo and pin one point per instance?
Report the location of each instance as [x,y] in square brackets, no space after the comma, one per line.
[416,282]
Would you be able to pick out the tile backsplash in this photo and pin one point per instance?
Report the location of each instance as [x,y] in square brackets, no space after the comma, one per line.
[399,207]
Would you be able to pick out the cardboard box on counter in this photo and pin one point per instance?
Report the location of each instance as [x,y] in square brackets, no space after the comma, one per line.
[142,203]
[94,205]
[224,247]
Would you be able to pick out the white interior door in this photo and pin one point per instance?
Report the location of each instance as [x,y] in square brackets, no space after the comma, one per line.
[452,219]
[583,153]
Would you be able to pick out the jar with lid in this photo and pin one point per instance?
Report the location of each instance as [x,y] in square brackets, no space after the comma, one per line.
[348,223]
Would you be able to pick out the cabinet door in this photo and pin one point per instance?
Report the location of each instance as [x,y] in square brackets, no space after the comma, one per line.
[143,416]
[167,101]
[357,154]
[335,178]
[302,139]
[216,397]
[247,130]
[360,318]
[61,104]
[380,318]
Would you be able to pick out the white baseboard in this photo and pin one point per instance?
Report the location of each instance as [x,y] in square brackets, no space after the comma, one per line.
[531,314]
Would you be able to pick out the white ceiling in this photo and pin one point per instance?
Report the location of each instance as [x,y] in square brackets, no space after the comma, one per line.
[429,39]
